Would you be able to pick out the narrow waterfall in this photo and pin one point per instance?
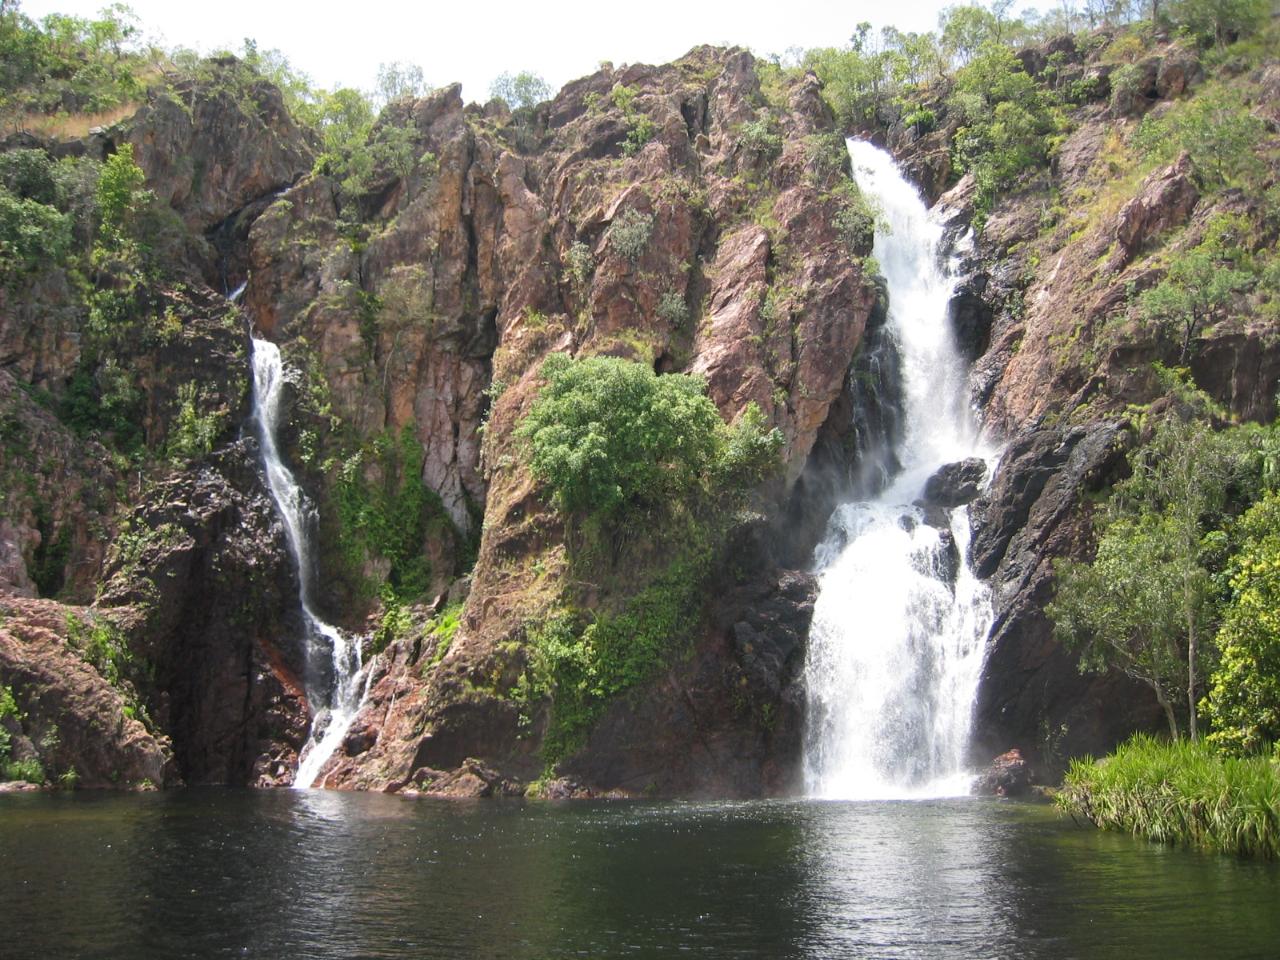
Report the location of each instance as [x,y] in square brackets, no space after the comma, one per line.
[900,623]
[332,657]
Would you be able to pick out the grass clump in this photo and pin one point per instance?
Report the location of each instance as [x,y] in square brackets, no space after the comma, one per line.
[1180,792]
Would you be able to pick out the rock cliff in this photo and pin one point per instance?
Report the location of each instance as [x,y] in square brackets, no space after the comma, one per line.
[693,217]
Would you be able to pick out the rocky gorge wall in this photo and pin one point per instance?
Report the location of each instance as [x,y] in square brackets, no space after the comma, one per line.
[695,221]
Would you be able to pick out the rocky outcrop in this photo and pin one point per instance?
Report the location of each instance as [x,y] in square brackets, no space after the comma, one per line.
[556,233]
[203,587]
[1164,201]
[214,144]
[1037,509]
[79,727]
[955,484]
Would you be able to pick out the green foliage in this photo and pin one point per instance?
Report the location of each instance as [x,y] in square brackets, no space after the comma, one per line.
[1200,284]
[32,234]
[8,708]
[640,129]
[630,232]
[344,118]
[523,91]
[580,262]
[385,510]
[583,665]
[1218,22]
[1243,704]
[395,623]
[103,647]
[758,137]
[398,80]
[1007,123]
[606,434]
[856,218]
[122,196]
[1217,130]
[1180,793]
[193,433]
[673,309]
[1148,603]
[609,436]
[68,64]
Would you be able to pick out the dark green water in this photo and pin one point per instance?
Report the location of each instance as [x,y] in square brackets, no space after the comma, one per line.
[315,874]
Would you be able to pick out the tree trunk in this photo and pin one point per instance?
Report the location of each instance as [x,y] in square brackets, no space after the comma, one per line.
[1193,652]
[1168,710]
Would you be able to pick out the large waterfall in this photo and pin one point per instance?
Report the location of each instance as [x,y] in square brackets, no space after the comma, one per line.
[900,623]
[333,657]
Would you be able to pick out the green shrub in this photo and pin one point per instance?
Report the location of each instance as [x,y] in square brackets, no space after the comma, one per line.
[32,235]
[1179,792]
[581,263]
[1216,128]
[757,137]
[1008,123]
[582,664]
[386,510]
[608,435]
[673,309]
[630,232]
[1243,704]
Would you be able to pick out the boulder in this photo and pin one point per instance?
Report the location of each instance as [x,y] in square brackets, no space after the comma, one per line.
[1008,775]
[1164,201]
[955,484]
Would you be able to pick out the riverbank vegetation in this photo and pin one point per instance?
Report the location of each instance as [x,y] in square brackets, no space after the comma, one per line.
[1183,792]
[1183,595]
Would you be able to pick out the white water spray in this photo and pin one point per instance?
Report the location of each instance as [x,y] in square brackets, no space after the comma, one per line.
[333,658]
[896,645]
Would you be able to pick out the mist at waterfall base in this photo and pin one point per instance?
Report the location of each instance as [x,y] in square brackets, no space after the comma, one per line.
[899,626]
[332,657]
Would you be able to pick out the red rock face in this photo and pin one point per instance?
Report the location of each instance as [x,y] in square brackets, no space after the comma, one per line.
[741,276]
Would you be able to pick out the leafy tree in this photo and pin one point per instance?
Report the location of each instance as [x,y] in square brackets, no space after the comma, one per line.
[1219,21]
[398,79]
[1123,610]
[1008,122]
[1216,129]
[31,234]
[1147,602]
[1200,283]
[523,91]
[121,198]
[1243,704]
[609,435]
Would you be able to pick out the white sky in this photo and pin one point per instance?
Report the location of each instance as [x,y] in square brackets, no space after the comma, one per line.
[342,43]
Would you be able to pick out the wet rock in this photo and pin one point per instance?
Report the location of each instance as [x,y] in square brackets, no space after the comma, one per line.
[1032,692]
[971,315]
[1008,775]
[207,596]
[955,484]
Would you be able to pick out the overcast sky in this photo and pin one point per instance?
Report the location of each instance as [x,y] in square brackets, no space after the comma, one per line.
[341,44]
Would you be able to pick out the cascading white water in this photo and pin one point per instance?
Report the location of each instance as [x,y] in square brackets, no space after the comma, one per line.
[333,658]
[896,645]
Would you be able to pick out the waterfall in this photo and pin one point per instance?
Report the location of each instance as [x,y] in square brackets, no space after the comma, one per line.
[900,623]
[332,657]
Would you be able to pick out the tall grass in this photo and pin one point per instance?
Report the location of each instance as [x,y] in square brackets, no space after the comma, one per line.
[1180,792]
